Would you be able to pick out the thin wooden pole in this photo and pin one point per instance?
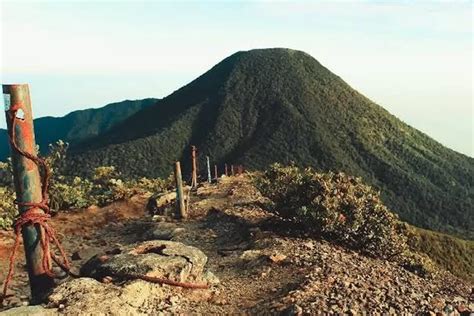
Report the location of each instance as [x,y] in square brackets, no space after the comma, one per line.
[208,165]
[215,172]
[28,186]
[180,206]
[194,167]
[226,172]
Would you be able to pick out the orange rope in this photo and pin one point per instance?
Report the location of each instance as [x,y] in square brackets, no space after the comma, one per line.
[32,217]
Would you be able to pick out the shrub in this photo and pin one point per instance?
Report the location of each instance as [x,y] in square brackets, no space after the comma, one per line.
[336,206]
[66,195]
[68,192]
[8,209]
[418,263]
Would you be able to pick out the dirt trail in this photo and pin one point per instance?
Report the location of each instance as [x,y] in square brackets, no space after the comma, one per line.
[263,265]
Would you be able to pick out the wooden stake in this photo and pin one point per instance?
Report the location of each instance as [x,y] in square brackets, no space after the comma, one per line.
[208,165]
[226,171]
[194,167]
[215,172]
[180,206]
[28,186]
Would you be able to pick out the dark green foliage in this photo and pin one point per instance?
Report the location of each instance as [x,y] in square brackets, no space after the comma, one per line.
[79,125]
[279,105]
[451,253]
[71,192]
[336,206]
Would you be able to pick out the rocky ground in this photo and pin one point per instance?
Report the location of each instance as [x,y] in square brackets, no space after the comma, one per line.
[253,263]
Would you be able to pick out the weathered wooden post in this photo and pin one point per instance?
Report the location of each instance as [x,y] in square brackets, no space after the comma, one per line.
[194,167]
[232,170]
[208,166]
[180,207]
[215,172]
[28,186]
[226,172]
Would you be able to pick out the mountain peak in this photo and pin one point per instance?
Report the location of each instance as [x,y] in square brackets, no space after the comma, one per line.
[279,105]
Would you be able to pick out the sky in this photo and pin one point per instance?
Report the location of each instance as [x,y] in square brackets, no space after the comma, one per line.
[414,58]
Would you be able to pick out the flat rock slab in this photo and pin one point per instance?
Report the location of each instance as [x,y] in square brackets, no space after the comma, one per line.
[30,310]
[86,296]
[154,258]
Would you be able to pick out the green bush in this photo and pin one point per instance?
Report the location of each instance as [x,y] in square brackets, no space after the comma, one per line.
[336,206]
[8,209]
[67,192]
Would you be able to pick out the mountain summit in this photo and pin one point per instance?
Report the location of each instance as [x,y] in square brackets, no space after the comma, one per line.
[281,105]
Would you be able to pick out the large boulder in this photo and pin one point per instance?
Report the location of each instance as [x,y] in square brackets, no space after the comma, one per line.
[154,258]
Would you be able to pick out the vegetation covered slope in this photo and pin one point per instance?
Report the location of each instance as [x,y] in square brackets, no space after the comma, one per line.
[278,105]
[453,254]
[78,125]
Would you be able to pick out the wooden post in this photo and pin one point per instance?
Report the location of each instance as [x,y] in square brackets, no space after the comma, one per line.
[215,172]
[208,165]
[232,170]
[194,167]
[28,186]
[180,207]
[226,171]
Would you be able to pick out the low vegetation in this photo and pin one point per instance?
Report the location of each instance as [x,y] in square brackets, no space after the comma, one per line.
[337,206]
[72,192]
[451,253]
[341,208]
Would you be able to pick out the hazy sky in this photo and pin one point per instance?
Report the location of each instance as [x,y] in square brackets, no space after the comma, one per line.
[413,58]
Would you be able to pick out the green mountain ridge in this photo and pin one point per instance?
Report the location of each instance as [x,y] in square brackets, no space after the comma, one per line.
[78,125]
[279,105]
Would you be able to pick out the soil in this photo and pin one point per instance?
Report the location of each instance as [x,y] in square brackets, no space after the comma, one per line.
[264,265]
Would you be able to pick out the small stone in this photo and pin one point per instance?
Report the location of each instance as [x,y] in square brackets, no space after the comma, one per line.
[251,254]
[158,218]
[462,308]
[293,310]
[173,300]
[219,301]
[277,257]
[448,309]
[211,278]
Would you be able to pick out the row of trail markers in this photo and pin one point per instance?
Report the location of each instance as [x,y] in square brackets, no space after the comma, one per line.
[181,209]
